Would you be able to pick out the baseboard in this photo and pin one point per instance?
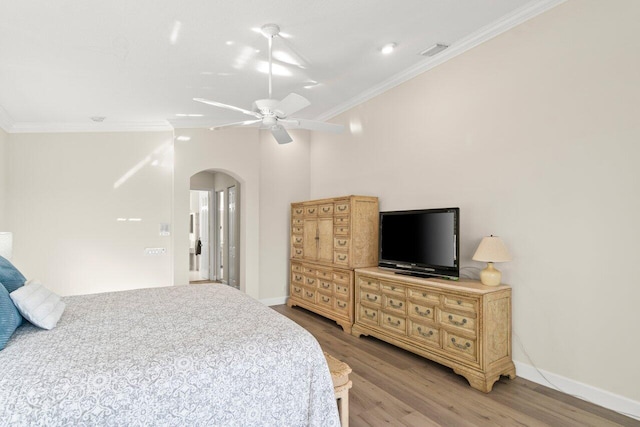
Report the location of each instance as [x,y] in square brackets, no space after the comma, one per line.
[615,402]
[274,301]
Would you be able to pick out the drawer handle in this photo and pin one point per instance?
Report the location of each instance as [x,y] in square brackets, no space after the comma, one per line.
[325,299]
[311,281]
[396,323]
[399,305]
[424,294]
[342,257]
[342,208]
[425,334]
[340,288]
[459,302]
[393,288]
[423,313]
[312,210]
[460,346]
[370,316]
[326,285]
[298,278]
[297,290]
[342,242]
[375,298]
[298,240]
[455,322]
[341,305]
[298,252]
[309,294]
[326,209]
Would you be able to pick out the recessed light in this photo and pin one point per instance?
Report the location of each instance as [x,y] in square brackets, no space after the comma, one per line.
[188,115]
[388,48]
[229,42]
[121,219]
[135,219]
[98,119]
[436,48]
[183,138]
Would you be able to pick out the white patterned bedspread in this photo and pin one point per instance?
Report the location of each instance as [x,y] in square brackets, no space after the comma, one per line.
[191,355]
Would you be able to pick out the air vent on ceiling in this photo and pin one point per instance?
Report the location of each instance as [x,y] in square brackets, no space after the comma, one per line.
[436,48]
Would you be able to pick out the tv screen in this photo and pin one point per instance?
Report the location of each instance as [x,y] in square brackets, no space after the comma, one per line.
[424,242]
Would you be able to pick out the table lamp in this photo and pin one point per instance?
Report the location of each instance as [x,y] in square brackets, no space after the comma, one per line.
[6,244]
[490,250]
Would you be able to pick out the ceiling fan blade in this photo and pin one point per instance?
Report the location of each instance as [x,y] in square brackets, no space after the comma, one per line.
[289,105]
[313,125]
[281,135]
[243,123]
[228,107]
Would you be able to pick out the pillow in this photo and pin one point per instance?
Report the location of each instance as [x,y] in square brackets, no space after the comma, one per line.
[10,319]
[10,277]
[38,304]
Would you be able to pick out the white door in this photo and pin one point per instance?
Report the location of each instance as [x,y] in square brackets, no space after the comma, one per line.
[204,234]
[233,238]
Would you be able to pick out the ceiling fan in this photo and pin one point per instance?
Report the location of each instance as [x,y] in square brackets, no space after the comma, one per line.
[272,114]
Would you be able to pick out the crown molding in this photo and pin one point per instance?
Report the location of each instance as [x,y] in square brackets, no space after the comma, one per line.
[27,127]
[484,34]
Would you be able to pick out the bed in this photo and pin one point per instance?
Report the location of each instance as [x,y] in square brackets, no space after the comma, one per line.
[184,355]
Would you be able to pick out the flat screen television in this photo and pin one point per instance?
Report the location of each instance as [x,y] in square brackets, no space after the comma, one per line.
[421,242]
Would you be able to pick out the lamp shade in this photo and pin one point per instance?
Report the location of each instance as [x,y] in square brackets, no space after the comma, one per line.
[6,244]
[492,249]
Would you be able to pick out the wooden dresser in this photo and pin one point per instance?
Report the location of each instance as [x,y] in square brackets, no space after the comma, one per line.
[329,238]
[461,324]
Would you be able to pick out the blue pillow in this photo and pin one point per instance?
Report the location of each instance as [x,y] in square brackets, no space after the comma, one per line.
[10,277]
[10,318]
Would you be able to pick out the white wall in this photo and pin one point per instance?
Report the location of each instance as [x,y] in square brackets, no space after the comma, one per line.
[284,178]
[534,135]
[4,163]
[65,192]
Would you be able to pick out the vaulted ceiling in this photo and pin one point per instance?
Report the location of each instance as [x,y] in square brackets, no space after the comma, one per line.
[138,64]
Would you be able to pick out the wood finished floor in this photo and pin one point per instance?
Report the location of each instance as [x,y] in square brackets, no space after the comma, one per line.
[395,387]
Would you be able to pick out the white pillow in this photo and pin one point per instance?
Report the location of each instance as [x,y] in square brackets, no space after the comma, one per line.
[38,304]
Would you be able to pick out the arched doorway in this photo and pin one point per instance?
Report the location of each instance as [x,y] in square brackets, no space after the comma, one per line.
[214,228]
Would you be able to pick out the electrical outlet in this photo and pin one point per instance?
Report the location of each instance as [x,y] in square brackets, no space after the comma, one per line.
[155,251]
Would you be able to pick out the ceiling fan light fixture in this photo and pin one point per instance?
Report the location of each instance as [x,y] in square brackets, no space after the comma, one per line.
[388,48]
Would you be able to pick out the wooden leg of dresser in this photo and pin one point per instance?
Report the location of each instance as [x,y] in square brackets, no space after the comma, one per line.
[346,326]
[511,372]
[357,332]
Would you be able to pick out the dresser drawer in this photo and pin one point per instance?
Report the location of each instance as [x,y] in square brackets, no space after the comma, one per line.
[420,311]
[424,296]
[460,346]
[394,323]
[325,286]
[311,210]
[341,243]
[325,301]
[296,291]
[393,289]
[342,277]
[297,252]
[342,290]
[297,211]
[297,229]
[342,207]
[460,303]
[310,281]
[342,306]
[341,230]
[296,267]
[326,209]
[368,315]
[368,283]
[309,271]
[297,222]
[370,298]
[425,334]
[324,274]
[297,239]
[459,321]
[297,278]
[341,220]
[394,305]
[309,294]
[341,258]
